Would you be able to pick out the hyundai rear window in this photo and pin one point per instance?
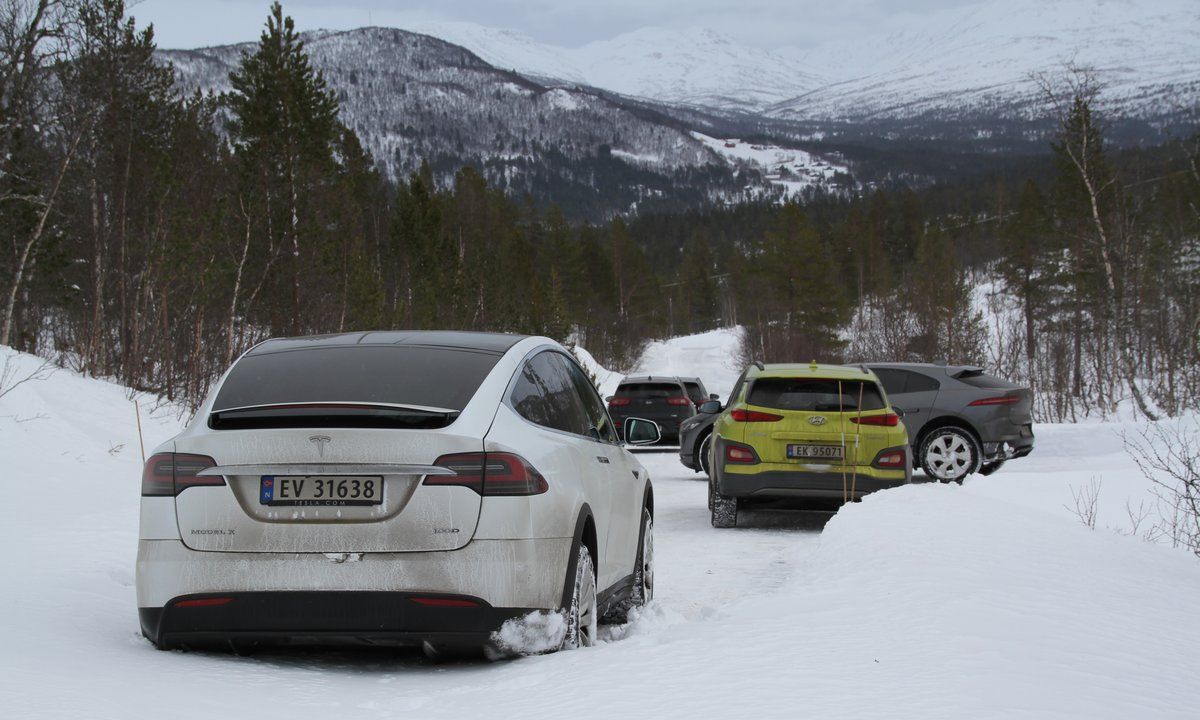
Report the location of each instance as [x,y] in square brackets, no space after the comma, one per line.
[815,394]
[649,391]
[425,387]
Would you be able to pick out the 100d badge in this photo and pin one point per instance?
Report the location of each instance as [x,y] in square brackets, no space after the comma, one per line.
[320,490]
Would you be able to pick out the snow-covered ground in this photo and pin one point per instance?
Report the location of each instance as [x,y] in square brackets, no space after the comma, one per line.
[987,600]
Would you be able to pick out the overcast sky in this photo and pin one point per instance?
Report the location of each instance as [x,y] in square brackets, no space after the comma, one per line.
[765,23]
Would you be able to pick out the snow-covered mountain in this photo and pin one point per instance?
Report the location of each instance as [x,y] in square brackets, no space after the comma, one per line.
[967,60]
[983,58]
[694,66]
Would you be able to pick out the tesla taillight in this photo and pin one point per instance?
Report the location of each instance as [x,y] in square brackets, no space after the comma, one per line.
[1001,400]
[167,474]
[494,474]
[741,415]
[619,402]
[887,420]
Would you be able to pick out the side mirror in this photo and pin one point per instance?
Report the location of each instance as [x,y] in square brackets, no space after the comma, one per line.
[712,407]
[899,412]
[641,432]
[714,396]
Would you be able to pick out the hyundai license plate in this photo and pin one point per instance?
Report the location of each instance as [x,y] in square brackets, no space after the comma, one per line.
[819,452]
[320,490]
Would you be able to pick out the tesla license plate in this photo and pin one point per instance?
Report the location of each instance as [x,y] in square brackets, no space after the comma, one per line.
[820,452]
[320,490]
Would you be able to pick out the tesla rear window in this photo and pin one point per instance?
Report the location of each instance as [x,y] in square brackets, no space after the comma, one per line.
[648,391]
[815,394]
[395,375]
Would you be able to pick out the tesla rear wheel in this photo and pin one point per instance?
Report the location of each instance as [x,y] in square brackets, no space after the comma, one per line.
[642,591]
[949,455]
[581,615]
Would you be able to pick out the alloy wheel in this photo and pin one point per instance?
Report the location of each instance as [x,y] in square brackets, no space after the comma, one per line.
[949,456]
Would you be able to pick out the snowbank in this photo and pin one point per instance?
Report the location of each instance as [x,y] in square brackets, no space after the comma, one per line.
[713,356]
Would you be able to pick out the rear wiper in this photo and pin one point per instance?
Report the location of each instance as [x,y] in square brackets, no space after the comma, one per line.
[325,407]
[347,414]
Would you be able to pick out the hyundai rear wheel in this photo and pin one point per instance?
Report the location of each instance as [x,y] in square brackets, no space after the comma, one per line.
[724,509]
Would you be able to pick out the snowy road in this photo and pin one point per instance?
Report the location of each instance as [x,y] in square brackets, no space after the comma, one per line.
[77,651]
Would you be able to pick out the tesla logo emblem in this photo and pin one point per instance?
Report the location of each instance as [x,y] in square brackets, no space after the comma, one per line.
[817,420]
[320,441]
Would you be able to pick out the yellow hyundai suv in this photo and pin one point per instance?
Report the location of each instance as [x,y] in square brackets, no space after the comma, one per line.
[816,431]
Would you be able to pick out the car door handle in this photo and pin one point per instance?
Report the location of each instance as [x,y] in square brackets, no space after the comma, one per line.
[602,459]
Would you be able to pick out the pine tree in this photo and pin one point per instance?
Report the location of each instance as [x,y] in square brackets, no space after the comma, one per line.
[284,129]
[1028,266]
[950,329]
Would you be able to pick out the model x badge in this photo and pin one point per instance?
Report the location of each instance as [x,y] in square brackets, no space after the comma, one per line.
[817,420]
[320,441]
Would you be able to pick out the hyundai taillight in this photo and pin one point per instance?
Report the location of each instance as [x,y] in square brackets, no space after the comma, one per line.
[740,454]
[167,474]
[619,402]
[741,415]
[681,401]
[891,458]
[493,474]
[1001,400]
[887,420]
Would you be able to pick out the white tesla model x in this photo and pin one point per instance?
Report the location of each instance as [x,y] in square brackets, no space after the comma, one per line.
[423,488]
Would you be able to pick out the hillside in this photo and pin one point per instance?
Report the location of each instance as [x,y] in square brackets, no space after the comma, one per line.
[411,97]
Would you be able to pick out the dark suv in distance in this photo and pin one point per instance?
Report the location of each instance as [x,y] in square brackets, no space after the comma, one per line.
[663,399]
[960,420]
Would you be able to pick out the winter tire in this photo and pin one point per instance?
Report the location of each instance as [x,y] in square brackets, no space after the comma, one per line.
[582,616]
[724,509]
[702,454]
[949,454]
[642,591]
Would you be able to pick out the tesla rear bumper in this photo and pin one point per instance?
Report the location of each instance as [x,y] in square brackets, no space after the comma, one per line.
[317,618]
[359,597]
